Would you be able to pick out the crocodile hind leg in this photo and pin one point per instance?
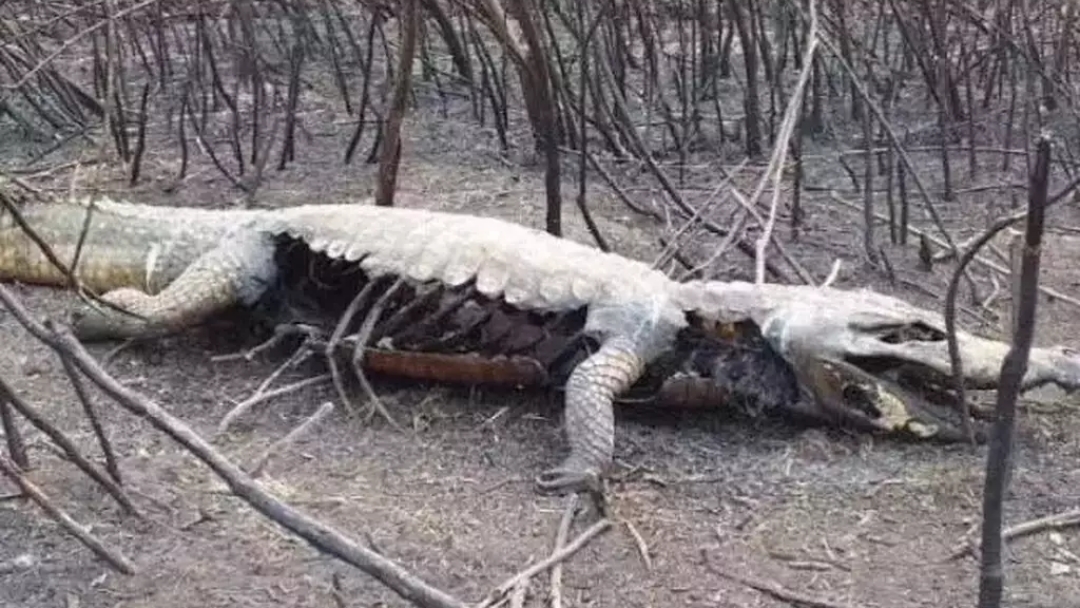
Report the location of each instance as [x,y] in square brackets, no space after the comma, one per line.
[589,417]
[237,271]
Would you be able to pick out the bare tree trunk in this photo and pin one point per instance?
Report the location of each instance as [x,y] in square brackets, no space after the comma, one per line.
[536,83]
[391,152]
[750,58]
[454,45]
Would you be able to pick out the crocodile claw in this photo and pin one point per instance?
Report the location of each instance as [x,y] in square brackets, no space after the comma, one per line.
[569,478]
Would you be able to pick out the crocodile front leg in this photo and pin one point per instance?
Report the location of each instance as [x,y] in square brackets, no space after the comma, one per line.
[237,271]
[589,417]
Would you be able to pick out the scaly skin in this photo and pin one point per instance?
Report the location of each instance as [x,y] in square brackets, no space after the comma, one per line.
[590,421]
[236,271]
[132,246]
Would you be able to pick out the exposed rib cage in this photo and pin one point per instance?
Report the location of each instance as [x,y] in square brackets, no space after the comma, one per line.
[434,332]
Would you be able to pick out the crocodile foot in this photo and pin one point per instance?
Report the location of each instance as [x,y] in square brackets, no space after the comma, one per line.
[570,477]
[573,478]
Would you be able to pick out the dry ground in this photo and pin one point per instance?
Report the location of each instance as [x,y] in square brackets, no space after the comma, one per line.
[864,522]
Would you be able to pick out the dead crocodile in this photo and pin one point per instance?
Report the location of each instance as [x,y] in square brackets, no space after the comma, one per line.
[177,267]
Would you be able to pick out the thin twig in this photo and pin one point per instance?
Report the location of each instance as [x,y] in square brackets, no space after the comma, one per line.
[496,595]
[555,590]
[639,540]
[317,534]
[324,410]
[1052,293]
[778,591]
[339,332]
[780,149]
[68,43]
[363,336]
[16,445]
[114,558]
[1057,521]
[110,485]
[834,272]
[1013,369]
[89,297]
[111,466]
[950,322]
[260,394]
[672,247]
[281,333]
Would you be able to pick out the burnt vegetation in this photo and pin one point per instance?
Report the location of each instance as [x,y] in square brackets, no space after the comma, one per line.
[915,120]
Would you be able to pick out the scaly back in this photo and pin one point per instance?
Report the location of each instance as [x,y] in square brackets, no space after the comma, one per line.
[529,268]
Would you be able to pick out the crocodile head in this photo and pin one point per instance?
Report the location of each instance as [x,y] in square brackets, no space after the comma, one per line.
[864,369]
[778,372]
[862,345]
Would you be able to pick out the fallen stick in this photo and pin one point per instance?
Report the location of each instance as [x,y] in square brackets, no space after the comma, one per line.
[254,400]
[15,444]
[324,410]
[778,591]
[1052,293]
[261,393]
[496,595]
[639,541]
[111,465]
[319,535]
[114,559]
[110,485]
[555,590]
[1057,521]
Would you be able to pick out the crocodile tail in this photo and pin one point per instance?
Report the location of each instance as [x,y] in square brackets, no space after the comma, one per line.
[237,271]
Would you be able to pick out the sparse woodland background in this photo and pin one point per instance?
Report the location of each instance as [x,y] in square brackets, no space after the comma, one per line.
[921,103]
[915,130]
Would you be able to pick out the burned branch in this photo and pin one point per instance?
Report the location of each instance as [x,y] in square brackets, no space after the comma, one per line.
[117,561]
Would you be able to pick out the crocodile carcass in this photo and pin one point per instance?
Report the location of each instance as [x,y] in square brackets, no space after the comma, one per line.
[597,323]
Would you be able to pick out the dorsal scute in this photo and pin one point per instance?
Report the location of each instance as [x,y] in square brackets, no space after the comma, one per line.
[527,267]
